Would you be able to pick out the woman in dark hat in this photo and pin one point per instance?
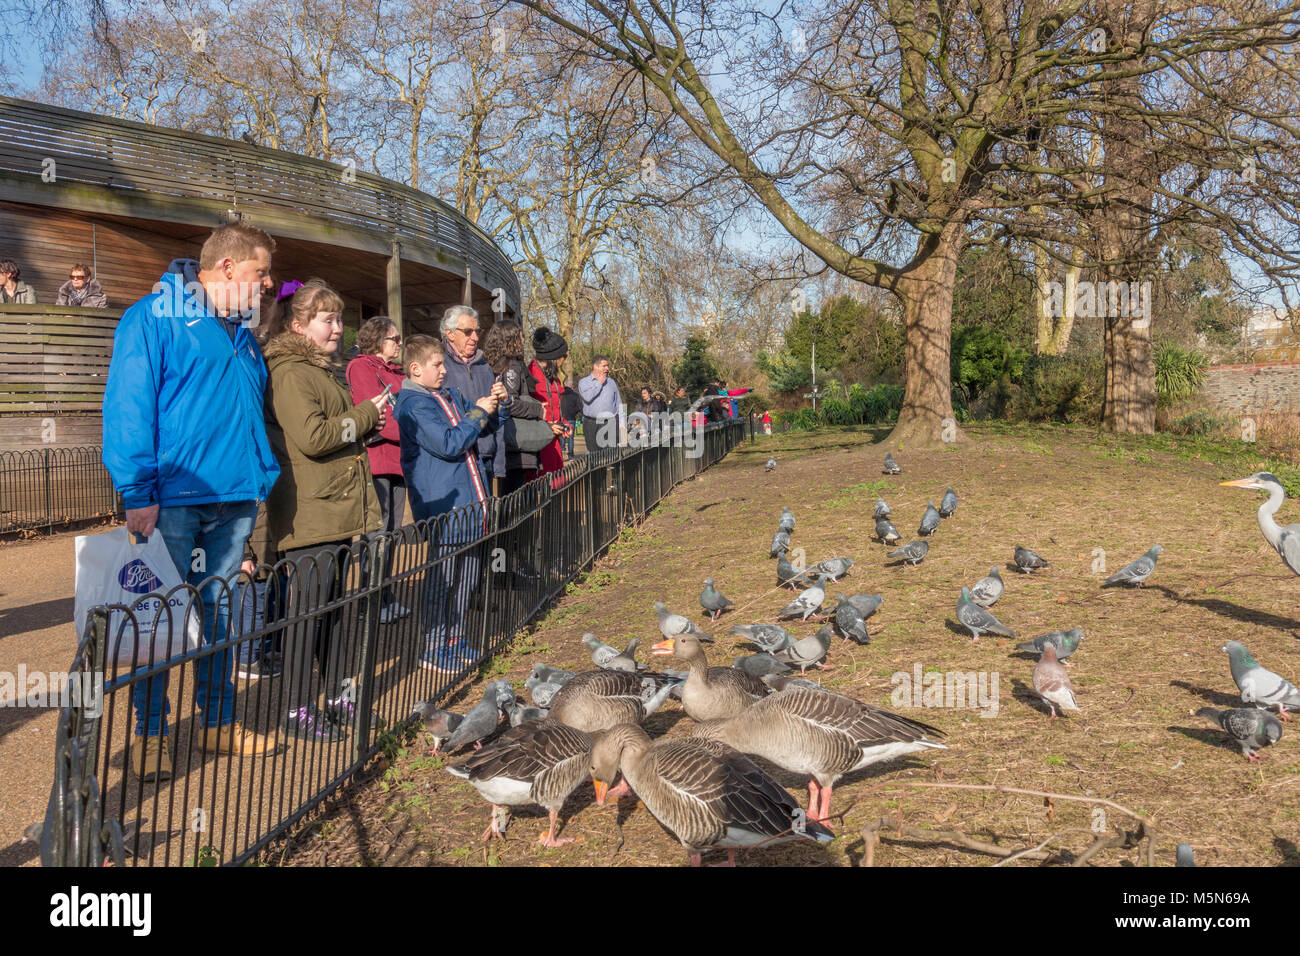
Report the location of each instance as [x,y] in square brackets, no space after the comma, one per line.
[547,370]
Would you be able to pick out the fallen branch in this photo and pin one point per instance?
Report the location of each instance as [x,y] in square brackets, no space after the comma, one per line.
[870,831]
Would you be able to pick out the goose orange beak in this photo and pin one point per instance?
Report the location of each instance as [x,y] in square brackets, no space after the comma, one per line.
[664,648]
[601,790]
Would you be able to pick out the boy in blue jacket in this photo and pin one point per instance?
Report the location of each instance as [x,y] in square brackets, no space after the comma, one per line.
[439,438]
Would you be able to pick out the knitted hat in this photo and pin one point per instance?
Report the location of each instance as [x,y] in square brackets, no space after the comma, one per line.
[548,346]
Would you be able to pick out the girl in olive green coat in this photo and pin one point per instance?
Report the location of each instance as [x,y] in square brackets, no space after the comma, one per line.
[323,498]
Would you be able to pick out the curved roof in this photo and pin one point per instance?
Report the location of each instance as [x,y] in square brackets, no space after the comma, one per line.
[96,164]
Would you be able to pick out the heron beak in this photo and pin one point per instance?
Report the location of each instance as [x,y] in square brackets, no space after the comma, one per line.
[1241,483]
[601,790]
[664,648]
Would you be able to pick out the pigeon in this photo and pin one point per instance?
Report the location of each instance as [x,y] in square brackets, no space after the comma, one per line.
[609,659]
[949,504]
[977,620]
[833,568]
[551,675]
[767,637]
[886,532]
[542,692]
[1064,642]
[670,624]
[806,604]
[1250,727]
[850,621]
[868,604]
[1027,560]
[914,552]
[759,665]
[929,520]
[520,713]
[771,465]
[891,466]
[1138,571]
[987,590]
[1052,683]
[1258,686]
[882,509]
[786,522]
[713,600]
[809,651]
[780,544]
[1183,856]
[483,718]
[438,723]
[779,682]
[787,573]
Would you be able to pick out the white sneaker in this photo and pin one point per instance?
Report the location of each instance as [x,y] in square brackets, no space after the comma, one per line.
[392,612]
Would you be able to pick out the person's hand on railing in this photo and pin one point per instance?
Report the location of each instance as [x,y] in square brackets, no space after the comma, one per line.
[142,521]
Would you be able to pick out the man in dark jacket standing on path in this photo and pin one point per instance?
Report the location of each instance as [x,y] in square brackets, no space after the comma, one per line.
[469,373]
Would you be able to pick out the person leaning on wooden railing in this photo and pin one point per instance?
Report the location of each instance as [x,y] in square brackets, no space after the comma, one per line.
[82,289]
[11,290]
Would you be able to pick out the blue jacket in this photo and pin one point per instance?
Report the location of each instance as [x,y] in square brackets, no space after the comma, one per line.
[183,419]
[439,458]
[474,381]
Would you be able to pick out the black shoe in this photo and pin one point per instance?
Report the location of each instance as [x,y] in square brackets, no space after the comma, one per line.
[308,723]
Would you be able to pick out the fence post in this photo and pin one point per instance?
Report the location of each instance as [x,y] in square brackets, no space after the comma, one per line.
[49,505]
[487,576]
[377,548]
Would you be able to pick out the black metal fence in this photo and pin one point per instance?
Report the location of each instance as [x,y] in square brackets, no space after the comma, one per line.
[469,580]
[47,487]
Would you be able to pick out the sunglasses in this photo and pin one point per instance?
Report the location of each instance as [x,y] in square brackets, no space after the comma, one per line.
[467,332]
[76,277]
[395,339]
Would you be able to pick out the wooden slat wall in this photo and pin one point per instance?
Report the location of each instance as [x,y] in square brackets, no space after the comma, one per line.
[24,432]
[46,242]
[54,363]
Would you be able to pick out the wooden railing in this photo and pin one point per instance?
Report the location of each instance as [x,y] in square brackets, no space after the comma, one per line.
[54,358]
[132,159]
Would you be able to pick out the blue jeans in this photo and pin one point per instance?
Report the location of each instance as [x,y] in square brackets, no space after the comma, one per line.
[220,529]
[448,586]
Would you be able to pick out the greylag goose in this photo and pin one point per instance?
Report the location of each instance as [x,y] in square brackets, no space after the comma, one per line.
[597,700]
[820,733]
[537,763]
[705,793]
[711,693]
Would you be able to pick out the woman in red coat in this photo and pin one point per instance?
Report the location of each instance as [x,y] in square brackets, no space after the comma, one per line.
[549,350]
[378,365]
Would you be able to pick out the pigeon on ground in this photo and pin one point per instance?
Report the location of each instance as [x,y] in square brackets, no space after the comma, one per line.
[850,621]
[552,675]
[767,637]
[438,723]
[987,590]
[914,553]
[1183,856]
[977,620]
[1250,727]
[833,568]
[806,604]
[483,718]
[780,682]
[780,544]
[670,624]
[809,651]
[886,532]
[542,692]
[891,466]
[1064,642]
[771,465]
[520,713]
[1052,683]
[1259,686]
[712,600]
[949,504]
[1138,571]
[609,658]
[882,509]
[788,574]
[868,604]
[1027,560]
[929,520]
[758,665]
[786,523]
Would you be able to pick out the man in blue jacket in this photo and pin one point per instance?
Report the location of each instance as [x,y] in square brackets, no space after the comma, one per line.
[440,430]
[185,443]
[469,373]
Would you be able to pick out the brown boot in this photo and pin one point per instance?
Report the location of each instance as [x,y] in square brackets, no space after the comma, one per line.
[234,739]
[149,759]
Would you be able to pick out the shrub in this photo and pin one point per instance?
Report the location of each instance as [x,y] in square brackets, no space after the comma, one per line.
[806,420]
[1058,388]
[880,403]
[835,411]
[1180,373]
[981,357]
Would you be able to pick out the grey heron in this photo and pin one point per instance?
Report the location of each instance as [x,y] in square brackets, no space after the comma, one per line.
[1285,541]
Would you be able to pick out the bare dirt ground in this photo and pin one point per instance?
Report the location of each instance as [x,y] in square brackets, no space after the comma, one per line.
[1150,659]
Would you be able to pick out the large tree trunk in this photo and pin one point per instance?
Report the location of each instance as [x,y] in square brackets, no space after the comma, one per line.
[1129,405]
[927,418]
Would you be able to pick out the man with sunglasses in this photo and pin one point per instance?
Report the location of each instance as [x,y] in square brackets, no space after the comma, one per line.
[469,373]
[82,289]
